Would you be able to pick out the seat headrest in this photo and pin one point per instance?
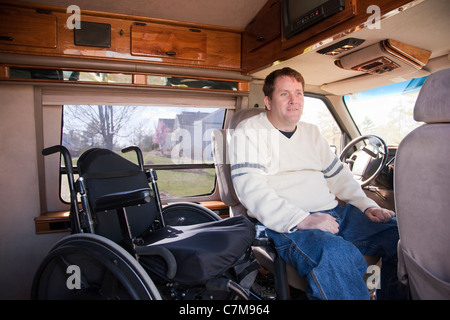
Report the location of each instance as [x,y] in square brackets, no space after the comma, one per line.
[433,102]
[242,115]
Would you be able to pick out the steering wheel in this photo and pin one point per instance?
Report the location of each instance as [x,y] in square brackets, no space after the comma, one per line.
[367,162]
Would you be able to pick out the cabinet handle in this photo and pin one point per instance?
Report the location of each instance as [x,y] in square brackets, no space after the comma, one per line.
[259,38]
[7,38]
[44,11]
[171,53]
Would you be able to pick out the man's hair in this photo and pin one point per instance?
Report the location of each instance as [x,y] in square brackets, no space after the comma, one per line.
[269,83]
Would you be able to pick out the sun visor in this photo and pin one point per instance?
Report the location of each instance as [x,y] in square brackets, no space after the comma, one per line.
[368,81]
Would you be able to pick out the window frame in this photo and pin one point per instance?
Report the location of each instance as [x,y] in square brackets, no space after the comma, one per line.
[344,132]
[51,98]
[158,168]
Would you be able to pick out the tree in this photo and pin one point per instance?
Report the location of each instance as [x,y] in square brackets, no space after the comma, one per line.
[160,135]
[367,125]
[141,136]
[101,123]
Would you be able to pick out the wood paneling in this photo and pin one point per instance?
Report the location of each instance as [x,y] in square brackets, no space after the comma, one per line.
[168,42]
[330,22]
[341,23]
[140,39]
[26,27]
[264,28]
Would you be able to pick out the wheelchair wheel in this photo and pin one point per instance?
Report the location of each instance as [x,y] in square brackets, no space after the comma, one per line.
[187,213]
[91,267]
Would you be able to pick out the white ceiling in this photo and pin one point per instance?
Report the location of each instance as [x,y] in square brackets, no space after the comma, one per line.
[233,13]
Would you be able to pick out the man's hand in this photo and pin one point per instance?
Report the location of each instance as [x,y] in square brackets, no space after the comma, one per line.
[379,214]
[321,221]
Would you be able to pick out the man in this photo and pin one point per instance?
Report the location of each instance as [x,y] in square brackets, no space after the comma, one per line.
[287,177]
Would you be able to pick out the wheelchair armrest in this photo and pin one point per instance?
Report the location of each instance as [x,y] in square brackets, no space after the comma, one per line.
[162,252]
[265,244]
[262,242]
[123,199]
[267,255]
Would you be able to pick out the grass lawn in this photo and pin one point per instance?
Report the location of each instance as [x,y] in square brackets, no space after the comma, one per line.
[178,183]
[181,183]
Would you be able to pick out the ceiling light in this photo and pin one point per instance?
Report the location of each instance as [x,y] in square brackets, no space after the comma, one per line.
[341,46]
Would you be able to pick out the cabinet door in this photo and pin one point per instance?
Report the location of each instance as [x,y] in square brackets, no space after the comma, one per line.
[264,28]
[27,27]
[168,42]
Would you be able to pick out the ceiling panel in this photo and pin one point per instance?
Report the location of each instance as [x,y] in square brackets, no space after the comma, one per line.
[233,13]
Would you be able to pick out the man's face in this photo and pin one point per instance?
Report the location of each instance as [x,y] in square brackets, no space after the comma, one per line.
[285,107]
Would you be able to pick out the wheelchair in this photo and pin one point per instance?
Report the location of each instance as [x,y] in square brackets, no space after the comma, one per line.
[125,245]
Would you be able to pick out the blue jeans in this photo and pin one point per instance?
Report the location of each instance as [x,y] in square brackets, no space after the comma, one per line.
[333,264]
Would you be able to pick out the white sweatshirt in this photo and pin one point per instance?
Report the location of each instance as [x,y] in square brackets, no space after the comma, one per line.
[281,180]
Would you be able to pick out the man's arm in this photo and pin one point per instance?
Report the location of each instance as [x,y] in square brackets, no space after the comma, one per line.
[341,183]
[340,180]
[379,214]
[321,221]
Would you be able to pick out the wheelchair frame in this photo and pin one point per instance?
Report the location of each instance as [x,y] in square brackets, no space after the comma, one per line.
[116,271]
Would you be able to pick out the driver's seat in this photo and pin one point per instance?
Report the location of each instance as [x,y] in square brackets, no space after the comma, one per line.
[422,184]
[228,195]
[265,257]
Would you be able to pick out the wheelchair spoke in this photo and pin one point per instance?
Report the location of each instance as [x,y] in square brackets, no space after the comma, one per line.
[109,287]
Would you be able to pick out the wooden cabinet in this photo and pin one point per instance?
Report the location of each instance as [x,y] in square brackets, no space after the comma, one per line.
[264,28]
[261,41]
[42,30]
[168,42]
[27,27]
[186,45]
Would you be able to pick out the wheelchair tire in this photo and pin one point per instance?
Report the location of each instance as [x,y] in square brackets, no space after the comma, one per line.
[105,272]
[187,213]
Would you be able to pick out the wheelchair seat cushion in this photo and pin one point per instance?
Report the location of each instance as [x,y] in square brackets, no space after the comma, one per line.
[202,251]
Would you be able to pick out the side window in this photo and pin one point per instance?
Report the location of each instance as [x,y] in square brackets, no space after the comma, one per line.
[315,111]
[176,141]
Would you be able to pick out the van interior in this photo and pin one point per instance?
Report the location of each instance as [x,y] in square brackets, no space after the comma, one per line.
[163,75]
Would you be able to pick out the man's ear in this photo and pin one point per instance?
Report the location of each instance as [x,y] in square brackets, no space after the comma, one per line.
[267,102]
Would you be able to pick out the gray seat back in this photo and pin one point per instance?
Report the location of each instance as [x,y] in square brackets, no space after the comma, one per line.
[219,142]
[422,193]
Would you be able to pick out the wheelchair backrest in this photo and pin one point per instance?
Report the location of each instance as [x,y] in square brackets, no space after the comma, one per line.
[105,172]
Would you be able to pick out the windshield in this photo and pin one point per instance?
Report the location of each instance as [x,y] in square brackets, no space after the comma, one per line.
[386,111]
